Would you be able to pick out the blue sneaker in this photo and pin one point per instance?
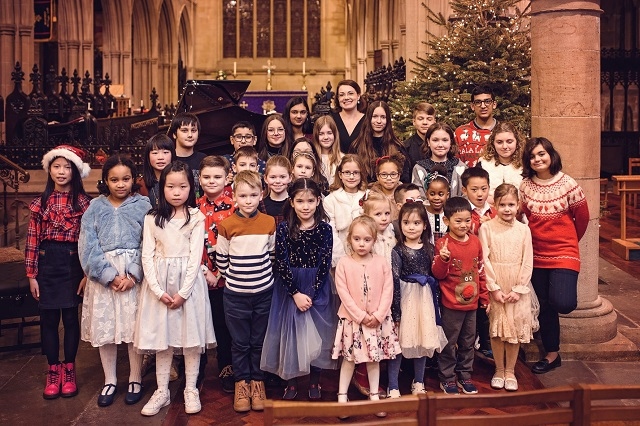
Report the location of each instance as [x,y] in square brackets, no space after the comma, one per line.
[449,388]
[467,386]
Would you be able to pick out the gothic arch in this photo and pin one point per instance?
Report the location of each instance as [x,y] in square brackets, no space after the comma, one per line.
[167,54]
[185,48]
[117,41]
[75,39]
[142,47]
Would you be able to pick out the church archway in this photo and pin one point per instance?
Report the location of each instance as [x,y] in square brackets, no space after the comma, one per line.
[143,36]
[167,53]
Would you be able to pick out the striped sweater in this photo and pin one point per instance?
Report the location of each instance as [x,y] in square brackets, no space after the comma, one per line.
[245,251]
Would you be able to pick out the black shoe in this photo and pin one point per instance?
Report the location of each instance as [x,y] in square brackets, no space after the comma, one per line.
[544,366]
[290,393]
[315,392]
[107,400]
[227,380]
[133,397]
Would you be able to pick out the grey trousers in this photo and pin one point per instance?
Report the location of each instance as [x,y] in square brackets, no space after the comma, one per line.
[460,329]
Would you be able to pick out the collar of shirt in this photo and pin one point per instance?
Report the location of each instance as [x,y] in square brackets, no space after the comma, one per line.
[480,210]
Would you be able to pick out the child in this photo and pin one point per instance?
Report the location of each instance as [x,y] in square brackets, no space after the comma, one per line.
[440,148]
[459,267]
[305,165]
[184,130]
[297,119]
[424,115]
[366,332]
[243,134]
[378,208]
[277,176]
[508,262]
[436,187]
[174,313]
[246,243]
[110,247]
[406,192]
[216,207]
[51,258]
[327,142]
[388,170]
[245,158]
[501,157]
[415,296]
[273,140]
[343,203]
[302,320]
[555,237]
[158,153]
[475,187]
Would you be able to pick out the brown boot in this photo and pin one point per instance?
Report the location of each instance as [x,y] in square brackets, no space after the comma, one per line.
[242,399]
[257,395]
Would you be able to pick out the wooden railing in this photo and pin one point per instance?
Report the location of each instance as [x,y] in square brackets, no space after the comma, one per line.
[11,176]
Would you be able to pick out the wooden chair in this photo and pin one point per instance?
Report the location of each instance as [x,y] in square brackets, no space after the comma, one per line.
[414,409]
[634,162]
[605,403]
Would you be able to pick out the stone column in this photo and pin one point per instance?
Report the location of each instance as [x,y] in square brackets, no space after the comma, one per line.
[565,108]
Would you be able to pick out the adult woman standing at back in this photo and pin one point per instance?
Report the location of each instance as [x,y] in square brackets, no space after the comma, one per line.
[349,113]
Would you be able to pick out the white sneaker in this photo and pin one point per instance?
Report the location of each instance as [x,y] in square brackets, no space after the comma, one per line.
[417,388]
[192,401]
[159,400]
[393,393]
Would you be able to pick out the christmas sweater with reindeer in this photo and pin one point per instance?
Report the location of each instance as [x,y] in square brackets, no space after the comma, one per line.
[462,279]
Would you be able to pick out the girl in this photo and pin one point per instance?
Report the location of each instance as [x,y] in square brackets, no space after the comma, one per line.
[109,248]
[440,148]
[302,320]
[343,202]
[555,237]
[158,153]
[508,262]
[378,207]
[297,119]
[365,331]
[388,170]
[305,165]
[415,297]
[436,187]
[502,157]
[51,258]
[273,139]
[349,112]
[174,313]
[277,176]
[377,139]
[327,143]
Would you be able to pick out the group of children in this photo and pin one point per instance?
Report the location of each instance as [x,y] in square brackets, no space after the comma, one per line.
[304,264]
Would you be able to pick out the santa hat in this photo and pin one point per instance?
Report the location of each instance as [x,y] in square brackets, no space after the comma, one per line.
[71,153]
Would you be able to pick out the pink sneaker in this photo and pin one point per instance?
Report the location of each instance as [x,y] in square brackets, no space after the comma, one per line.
[54,381]
[69,387]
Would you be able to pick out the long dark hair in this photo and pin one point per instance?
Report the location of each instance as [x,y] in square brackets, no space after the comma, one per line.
[289,213]
[307,128]
[158,142]
[421,211]
[164,211]
[115,160]
[556,162]
[77,188]
[263,142]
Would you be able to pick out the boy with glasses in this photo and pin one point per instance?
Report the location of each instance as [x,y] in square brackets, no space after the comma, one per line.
[243,134]
[473,136]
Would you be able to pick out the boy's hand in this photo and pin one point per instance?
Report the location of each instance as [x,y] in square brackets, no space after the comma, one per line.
[34,287]
[178,301]
[166,300]
[498,296]
[303,302]
[212,280]
[445,254]
[81,286]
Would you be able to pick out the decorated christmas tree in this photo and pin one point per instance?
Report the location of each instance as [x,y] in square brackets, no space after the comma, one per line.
[485,42]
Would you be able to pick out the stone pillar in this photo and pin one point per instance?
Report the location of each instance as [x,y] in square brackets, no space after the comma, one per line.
[565,108]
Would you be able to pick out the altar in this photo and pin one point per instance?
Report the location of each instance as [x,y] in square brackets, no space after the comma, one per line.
[269,101]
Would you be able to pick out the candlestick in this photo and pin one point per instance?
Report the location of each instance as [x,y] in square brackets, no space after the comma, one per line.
[129,103]
[89,107]
[304,67]
[141,103]
[234,69]
[111,104]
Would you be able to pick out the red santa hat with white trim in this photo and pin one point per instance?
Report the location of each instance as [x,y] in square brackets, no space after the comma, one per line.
[71,153]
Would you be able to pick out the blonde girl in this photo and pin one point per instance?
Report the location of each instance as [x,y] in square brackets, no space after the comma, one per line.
[327,142]
[277,175]
[388,169]
[378,207]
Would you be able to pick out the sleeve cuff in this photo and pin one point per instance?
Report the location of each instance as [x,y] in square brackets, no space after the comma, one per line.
[108,275]
[521,289]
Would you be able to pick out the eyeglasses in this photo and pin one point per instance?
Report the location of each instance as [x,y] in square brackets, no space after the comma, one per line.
[240,138]
[352,174]
[414,200]
[478,102]
[392,175]
[275,131]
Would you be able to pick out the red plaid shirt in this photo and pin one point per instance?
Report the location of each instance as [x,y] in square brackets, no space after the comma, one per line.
[215,212]
[58,222]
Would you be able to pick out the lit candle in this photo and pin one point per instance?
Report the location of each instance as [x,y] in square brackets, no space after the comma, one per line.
[89,106]
[111,104]
[304,67]
[234,68]
[129,103]
[141,103]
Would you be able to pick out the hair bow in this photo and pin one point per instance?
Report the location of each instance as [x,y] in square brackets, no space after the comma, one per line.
[364,198]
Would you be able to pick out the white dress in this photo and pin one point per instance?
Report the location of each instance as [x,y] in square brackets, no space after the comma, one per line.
[171,259]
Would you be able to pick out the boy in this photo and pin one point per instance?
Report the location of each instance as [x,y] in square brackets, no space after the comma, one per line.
[474,135]
[243,134]
[475,186]
[245,158]
[244,254]
[424,115]
[184,130]
[216,207]
[458,265]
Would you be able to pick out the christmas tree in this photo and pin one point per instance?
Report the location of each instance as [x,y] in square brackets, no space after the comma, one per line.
[486,42]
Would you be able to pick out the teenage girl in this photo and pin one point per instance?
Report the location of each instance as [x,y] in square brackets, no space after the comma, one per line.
[297,119]
[440,148]
[305,165]
[277,175]
[327,143]
[501,157]
[343,202]
[436,187]
[302,320]
[378,207]
[508,262]
[365,333]
[158,153]
[51,258]
[388,170]
[110,247]
[174,313]
[415,307]
[273,140]
[555,237]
